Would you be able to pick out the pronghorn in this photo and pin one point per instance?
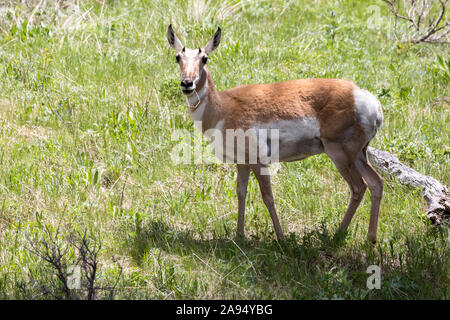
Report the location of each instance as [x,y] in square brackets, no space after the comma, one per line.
[311,115]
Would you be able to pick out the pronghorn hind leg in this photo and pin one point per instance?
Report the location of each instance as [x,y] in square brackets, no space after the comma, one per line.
[266,192]
[243,173]
[375,184]
[349,172]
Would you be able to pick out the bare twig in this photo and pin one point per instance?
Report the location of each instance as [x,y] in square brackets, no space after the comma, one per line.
[59,255]
[424,22]
[88,250]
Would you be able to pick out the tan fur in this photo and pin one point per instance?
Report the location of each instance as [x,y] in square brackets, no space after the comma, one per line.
[328,100]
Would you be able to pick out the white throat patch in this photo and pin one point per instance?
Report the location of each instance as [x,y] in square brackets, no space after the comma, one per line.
[197,103]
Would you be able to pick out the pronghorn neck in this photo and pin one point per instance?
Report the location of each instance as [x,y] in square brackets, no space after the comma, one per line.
[204,104]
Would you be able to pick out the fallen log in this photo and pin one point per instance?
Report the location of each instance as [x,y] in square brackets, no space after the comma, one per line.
[436,194]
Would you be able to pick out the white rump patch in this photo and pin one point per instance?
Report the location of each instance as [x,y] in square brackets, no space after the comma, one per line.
[368,110]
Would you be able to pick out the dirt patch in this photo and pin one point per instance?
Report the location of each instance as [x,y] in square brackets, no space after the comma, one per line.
[32,133]
[444,100]
[6,108]
[20,132]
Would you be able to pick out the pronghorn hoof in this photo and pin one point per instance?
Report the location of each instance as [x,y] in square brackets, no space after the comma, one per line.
[340,235]
[372,239]
[239,237]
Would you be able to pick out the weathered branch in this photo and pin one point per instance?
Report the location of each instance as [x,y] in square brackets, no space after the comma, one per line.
[436,195]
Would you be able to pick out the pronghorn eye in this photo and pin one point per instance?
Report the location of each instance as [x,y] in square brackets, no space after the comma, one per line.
[177,57]
[205,59]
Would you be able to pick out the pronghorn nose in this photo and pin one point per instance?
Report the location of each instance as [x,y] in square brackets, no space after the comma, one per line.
[187,83]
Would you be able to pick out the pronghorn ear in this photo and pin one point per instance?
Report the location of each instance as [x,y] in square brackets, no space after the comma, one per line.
[173,40]
[214,42]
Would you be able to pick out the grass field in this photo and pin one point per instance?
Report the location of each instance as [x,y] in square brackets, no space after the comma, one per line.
[89,98]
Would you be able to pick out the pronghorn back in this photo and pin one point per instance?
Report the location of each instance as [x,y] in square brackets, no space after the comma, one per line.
[319,98]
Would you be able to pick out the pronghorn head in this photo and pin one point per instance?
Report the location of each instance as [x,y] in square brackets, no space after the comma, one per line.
[191,61]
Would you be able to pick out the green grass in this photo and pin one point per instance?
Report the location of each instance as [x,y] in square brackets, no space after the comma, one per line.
[87,109]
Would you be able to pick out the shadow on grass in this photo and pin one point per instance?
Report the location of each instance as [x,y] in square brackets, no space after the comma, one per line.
[317,265]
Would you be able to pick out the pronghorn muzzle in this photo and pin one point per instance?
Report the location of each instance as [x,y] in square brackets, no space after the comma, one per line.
[187,86]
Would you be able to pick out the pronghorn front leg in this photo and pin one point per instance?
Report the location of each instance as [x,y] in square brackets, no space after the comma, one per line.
[243,173]
[266,192]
